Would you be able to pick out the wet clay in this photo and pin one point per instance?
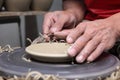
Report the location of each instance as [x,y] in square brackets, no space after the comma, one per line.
[50,52]
[41,5]
[17,5]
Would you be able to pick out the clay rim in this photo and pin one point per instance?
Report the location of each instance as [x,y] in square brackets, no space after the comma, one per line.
[62,54]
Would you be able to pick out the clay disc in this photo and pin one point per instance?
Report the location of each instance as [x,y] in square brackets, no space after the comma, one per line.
[49,52]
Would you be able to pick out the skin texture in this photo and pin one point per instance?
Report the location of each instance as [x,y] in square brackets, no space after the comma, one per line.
[53,21]
[66,19]
[89,38]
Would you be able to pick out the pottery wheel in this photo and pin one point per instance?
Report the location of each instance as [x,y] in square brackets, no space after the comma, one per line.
[14,64]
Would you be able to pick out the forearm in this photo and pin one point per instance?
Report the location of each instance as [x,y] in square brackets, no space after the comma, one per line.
[76,7]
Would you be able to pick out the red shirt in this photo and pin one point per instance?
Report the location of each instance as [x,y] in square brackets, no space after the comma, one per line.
[98,9]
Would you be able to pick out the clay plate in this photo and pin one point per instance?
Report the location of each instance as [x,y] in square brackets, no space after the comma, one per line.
[49,52]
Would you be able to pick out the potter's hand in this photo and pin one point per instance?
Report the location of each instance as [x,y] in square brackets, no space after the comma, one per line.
[90,39]
[56,21]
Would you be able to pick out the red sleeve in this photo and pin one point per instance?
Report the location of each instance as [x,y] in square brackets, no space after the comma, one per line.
[98,9]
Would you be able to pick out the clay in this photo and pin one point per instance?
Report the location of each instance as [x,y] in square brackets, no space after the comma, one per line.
[41,5]
[6,48]
[1,3]
[114,76]
[49,52]
[17,5]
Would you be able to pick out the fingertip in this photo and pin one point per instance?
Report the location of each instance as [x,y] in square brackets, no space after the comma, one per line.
[90,59]
[80,59]
[71,52]
[69,39]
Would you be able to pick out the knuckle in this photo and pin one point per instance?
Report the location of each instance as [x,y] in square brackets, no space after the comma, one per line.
[85,52]
[105,38]
[81,40]
[83,24]
[76,47]
[91,32]
[84,55]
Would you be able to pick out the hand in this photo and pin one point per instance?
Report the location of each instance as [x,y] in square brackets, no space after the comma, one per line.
[56,21]
[90,39]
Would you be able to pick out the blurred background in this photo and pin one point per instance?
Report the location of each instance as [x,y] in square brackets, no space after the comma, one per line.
[15,30]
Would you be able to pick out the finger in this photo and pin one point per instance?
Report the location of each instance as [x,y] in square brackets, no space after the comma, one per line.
[47,23]
[88,49]
[59,24]
[62,34]
[57,27]
[46,37]
[78,45]
[72,37]
[99,50]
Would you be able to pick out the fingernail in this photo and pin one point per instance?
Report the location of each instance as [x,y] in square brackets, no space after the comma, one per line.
[69,39]
[80,59]
[71,51]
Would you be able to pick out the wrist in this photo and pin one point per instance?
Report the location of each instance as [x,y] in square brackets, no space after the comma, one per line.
[115,23]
